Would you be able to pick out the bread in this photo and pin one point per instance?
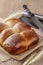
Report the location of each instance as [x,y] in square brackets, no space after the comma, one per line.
[12,22]
[6,33]
[18,37]
[20,26]
[2,26]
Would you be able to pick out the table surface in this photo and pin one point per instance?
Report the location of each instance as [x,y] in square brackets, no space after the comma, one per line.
[14,62]
[36,6]
[9,6]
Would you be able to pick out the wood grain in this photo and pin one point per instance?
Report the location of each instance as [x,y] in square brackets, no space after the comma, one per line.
[9,6]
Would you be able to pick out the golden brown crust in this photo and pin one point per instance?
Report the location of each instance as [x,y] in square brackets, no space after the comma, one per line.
[28,34]
[18,38]
[13,42]
[6,33]
[20,26]
[18,43]
[12,22]
[2,26]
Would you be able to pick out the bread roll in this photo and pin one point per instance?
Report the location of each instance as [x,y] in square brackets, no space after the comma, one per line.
[12,22]
[2,26]
[5,33]
[20,26]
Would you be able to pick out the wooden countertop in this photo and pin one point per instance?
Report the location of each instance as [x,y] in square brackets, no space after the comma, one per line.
[14,62]
[9,6]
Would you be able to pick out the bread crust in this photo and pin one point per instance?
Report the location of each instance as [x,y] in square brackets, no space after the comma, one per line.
[2,26]
[17,37]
